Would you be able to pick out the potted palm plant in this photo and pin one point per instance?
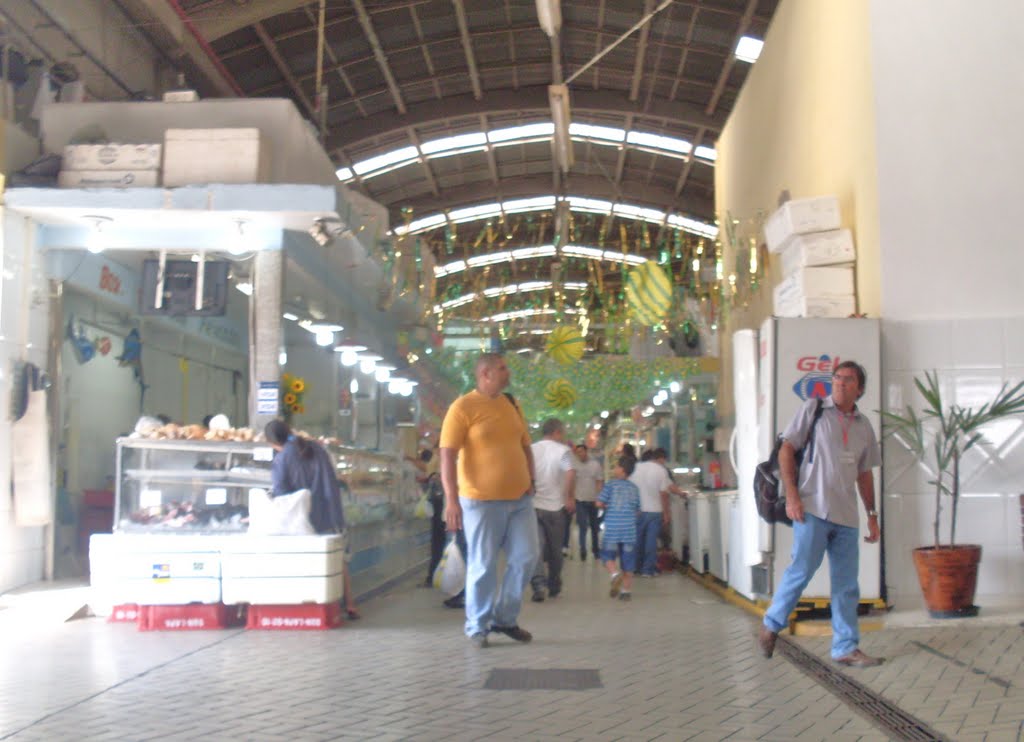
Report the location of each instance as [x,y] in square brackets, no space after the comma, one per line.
[940,435]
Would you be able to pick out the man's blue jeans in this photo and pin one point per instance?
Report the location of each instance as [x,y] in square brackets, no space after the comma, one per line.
[811,540]
[647,527]
[492,526]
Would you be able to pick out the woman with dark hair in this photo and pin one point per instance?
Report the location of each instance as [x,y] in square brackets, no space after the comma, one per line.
[301,463]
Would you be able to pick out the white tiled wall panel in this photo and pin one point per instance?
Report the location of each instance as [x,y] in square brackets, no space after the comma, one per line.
[974,358]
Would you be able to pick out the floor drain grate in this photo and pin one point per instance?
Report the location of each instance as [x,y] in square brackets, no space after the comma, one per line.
[880,711]
[524,679]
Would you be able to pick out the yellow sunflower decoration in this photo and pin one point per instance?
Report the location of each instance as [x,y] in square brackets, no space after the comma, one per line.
[292,390]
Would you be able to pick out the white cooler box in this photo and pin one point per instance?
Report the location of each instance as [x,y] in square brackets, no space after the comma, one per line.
[819,248]
[824,307]
[215,156]
[154,569]
[111,157]
[808,282]
[282,570]
[800,216]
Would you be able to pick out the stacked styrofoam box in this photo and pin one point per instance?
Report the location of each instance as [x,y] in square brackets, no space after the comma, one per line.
[215,156]
[282,570]
[110,166]
[817,259]
[151,569]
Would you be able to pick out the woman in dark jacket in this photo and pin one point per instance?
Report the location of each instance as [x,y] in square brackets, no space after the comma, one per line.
[301,463]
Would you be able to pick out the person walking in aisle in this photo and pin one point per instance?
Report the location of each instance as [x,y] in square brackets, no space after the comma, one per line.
[589,481]
[554,502]
[620,499]
[487,473]
[652,479]
[821,499]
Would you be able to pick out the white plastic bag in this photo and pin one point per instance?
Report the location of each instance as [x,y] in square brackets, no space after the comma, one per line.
[450,575]
[286,515]
[424,508]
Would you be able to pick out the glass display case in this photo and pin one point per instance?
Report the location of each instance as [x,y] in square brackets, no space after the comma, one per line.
[374,486]
[187,486]
[192,486]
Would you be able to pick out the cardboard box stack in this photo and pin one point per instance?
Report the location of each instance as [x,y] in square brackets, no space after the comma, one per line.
[197,156]
[817,259]
[110,166]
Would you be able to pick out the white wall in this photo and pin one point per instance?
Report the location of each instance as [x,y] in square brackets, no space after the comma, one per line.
[948,107]
[24,314]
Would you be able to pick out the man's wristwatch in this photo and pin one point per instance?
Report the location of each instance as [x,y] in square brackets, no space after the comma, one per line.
[872,513]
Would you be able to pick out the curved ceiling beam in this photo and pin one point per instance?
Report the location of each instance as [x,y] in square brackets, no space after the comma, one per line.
[532,98]
[592,186]
[215,22]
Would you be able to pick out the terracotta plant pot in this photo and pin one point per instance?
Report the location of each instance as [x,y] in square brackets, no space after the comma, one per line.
[948,577]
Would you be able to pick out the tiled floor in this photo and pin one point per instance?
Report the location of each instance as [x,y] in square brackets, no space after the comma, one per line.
[676,663]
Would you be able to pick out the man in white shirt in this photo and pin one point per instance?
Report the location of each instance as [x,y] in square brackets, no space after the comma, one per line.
[554,502]
[652,479]
[589,480]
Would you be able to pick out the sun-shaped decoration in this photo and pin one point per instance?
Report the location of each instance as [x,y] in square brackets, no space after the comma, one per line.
[649,293]
[565,345]
[560,394]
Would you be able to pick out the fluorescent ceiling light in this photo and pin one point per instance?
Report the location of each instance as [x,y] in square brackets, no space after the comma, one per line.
[640,212]
[528,204]
[459,141]
[748,49]
[544,203]
[541,251]
[708,153]
[245,287]
[657,141]
[525,133]
[290,316]
[401,155]
[593,205]
[588,131]
[474,212]
[419,225]
[343,173]
[446,270]
[502,256]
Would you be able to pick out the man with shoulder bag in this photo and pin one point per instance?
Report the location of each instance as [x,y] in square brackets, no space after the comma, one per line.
[821,499]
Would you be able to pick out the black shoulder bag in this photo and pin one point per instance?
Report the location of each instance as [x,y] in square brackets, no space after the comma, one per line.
[771,504]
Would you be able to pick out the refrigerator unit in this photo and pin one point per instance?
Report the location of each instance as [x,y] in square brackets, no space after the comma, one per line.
[794,362]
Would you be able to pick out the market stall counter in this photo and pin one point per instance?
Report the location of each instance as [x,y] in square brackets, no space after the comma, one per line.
[181,516]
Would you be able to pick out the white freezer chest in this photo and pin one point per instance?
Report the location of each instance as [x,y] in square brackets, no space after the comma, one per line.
[282,570]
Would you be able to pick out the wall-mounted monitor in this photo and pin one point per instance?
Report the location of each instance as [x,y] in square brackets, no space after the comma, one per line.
[180,282]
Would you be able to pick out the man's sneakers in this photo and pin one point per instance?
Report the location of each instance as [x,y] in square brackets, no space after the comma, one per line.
[479,640]
[616,585]
[538,596]
[625,596]
[857,658]
[514,632]
[766,640]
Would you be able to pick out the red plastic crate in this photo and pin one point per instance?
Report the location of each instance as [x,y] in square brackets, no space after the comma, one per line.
[193,617]
[124,613]
[307,616]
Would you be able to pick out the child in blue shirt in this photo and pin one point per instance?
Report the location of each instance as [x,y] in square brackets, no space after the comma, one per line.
[620,499]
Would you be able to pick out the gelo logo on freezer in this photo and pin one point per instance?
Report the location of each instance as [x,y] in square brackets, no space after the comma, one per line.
[817,378]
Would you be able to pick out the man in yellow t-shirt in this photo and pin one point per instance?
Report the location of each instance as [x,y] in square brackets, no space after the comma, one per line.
[487,473]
